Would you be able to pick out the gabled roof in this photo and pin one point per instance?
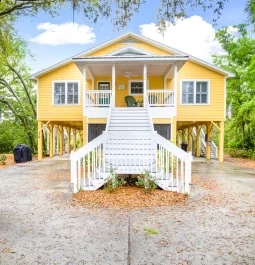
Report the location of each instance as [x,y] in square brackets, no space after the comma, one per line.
[140,38]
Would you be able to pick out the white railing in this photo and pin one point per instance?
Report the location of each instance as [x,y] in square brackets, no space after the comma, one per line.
[131,153]
[109,117]
[88,165]
[161,97]
[149,112]
[97,98]
[173,166]
[214,148]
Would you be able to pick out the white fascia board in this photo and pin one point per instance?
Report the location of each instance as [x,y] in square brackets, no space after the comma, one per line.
[210,66]
[126,59]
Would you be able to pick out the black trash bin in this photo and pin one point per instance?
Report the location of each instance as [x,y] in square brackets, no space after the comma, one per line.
[184,147]
[22,153]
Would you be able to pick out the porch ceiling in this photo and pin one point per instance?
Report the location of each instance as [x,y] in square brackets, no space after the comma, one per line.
[157,66]
[137,70]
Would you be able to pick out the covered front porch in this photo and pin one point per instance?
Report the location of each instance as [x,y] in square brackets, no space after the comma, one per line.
[141,82]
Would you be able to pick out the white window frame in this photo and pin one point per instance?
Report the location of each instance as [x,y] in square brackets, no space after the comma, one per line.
[65,81]
[195,92]
[129,87]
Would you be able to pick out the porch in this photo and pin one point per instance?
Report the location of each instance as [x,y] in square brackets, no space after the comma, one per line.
[108,81]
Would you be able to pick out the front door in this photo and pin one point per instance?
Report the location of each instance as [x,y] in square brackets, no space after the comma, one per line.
[104,99]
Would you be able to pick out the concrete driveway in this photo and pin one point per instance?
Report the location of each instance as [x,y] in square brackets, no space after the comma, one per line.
[41,224]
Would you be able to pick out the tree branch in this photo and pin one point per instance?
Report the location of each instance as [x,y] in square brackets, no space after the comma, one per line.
[25,88]
[5,84]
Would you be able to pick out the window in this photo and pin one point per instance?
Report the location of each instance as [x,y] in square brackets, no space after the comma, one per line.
[136,87]
[66,92]
[195,92]
[72,93]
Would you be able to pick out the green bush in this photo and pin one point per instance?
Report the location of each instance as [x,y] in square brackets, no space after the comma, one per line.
[146,181]
[249,153]
[113,181]
[3,159]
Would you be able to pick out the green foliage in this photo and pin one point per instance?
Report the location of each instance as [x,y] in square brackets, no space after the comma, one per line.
[119,12]
[113,181]
[3,159]
[150,231]
[11,134]
[17,93]
[146,181]
[240,60]
[250,153]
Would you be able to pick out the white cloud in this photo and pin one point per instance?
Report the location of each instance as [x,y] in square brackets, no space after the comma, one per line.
[191,35]
[67,33]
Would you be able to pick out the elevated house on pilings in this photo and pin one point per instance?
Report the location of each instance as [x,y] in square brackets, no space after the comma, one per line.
[134,103]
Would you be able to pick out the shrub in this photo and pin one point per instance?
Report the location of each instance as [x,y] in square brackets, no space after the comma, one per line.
[244,153]
[3,159]
[146,181]
[113,181]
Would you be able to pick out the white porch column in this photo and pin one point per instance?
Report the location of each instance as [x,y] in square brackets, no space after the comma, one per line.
[175,88]
[144,85]
[84,81]
[113,84]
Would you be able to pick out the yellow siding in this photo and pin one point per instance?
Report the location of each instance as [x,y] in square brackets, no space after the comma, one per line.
[214,111]
[161,121]
[116,46]
[46,111]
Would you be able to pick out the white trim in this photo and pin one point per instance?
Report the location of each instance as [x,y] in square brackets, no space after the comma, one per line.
[175,86]
[139,37]
[113,84]
[129,87]
[128,49]
[66,81]
[196,80]
[107,81]
[37,86]
[225,98]
[131,59]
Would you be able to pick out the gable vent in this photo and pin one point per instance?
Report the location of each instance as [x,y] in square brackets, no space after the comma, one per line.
[130,40]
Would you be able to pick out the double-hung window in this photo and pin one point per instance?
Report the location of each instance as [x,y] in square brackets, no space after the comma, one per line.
[195,92]
[66,92]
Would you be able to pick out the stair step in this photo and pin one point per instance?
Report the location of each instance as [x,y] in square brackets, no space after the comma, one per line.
[130,129]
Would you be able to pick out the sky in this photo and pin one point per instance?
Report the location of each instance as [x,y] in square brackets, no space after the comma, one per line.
[52,40]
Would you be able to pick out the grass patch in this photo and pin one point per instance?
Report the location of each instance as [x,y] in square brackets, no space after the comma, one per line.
[150,231]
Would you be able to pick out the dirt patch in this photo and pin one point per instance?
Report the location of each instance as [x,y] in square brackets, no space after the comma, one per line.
[243,162]
[129,197]
[10,161]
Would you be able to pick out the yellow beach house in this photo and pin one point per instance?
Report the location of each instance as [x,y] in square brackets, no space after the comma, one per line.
[136,105]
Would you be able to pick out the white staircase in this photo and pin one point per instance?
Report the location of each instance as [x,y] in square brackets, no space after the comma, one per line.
[214,148]
[129,146]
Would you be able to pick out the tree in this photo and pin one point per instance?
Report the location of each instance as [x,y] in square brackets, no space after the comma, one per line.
[119,11]
[17,97]
[240,60]
[250,10]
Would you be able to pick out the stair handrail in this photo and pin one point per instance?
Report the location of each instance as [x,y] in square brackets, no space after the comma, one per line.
[79,169]
[170,155]
[109,116]
[149,112]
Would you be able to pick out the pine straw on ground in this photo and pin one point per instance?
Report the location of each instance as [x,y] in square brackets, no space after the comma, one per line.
[10,161]
[129,197]
[243,162]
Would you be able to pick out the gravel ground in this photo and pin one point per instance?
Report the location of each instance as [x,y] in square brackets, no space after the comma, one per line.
[41,224]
